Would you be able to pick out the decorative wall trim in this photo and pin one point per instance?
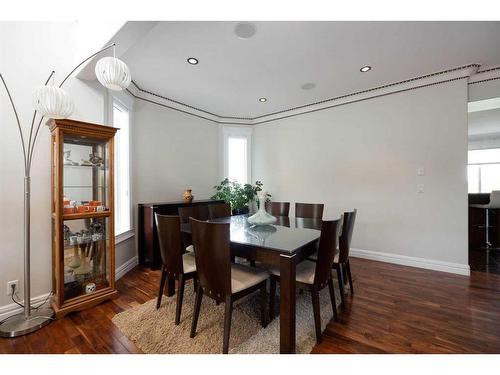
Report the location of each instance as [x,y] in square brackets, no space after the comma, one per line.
[187,106]
[411,83]
[466,71]
[488,70]
[11,309]
[126,267]
[485,75]
[430,264]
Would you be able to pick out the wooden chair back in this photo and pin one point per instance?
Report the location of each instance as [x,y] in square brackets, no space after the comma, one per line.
[278,208]
[211,243]
[304,222]
[283,221]
[309,210]
[199,211]
[328,242]
[346,235]
[218,210]
[169,237]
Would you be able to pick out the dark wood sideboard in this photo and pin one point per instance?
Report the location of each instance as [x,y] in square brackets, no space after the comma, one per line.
[148,246]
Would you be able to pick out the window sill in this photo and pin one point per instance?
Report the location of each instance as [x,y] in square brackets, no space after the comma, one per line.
[124,236]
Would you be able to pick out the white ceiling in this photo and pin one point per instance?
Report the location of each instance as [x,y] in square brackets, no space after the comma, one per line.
[233,73]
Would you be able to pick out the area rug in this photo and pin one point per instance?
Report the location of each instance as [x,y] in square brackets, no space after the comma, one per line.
[154,332]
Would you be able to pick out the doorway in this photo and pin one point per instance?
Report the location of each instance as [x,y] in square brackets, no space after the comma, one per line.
[483,175]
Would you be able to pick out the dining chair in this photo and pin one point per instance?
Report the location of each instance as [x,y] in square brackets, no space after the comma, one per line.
[278,208]
[314,276]
[218,210]
[220,279]
[341,261]
[180,266]
[309,210]
[199,212]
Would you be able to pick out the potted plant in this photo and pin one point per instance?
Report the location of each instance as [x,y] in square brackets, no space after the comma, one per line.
[237,195]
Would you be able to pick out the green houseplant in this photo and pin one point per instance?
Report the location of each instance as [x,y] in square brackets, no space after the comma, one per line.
[237,195]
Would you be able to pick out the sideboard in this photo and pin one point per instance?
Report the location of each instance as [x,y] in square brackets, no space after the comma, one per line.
[148,246]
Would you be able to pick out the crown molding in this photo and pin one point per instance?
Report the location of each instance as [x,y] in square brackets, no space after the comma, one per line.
[485,75]
[469,71]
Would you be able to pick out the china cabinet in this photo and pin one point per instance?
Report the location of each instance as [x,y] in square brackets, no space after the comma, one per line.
[83,246]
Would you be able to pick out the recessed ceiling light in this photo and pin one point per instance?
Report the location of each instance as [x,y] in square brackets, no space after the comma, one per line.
[244,30]
[366,68]
[308,86]
[192,60]
[262,100]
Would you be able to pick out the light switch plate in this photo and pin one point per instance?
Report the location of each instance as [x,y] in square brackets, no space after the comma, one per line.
[420,171]
[420,188]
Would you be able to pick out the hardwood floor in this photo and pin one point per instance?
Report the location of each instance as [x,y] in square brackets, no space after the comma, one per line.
[399,309]
[395,309]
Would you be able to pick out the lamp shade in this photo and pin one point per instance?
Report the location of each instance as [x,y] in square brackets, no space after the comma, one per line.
[52,102]
[113,73]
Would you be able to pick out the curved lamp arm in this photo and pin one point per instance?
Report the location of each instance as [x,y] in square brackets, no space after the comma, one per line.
[17,120]
[29,148]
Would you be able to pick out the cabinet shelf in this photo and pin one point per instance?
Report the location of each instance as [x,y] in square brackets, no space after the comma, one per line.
[84,166]
[68,247]
[85,215]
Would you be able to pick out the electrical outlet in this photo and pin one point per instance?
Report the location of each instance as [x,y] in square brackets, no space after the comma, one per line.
[14,283]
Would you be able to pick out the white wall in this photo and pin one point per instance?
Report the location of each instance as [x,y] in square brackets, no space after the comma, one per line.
[484,90]
[172,151]
[365,155]
[28,52]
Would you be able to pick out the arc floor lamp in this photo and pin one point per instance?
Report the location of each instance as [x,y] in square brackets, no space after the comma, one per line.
[51,101]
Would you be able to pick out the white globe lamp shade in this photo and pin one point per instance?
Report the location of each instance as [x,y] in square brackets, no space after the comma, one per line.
[52,102]
[113,73]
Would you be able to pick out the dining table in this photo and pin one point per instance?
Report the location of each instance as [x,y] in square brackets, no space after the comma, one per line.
[284,244]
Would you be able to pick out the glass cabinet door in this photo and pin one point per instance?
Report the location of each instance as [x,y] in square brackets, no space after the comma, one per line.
[86,256]
[85,175]
[86,215]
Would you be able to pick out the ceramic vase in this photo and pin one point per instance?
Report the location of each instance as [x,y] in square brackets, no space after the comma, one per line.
[188,196]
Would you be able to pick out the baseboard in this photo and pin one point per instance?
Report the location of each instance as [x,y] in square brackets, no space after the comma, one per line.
[12,309]
[126,267]
[430,264]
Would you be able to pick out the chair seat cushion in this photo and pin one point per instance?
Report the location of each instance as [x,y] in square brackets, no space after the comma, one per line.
[244,277]
[188,262]
[314,257]
[304,273]
[190,249]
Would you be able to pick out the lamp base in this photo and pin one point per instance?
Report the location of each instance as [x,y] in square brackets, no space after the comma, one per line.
[18,325]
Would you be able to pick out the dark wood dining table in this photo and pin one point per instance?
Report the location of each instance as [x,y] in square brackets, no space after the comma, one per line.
[283,245]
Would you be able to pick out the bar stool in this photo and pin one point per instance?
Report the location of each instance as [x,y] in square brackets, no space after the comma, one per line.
[493,204]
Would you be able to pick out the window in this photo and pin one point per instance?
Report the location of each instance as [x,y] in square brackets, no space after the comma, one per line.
[237,146]
[121,119]
[483,170]
[237,159]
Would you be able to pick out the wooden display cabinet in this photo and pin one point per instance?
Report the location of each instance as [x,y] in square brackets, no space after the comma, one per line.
[83,241]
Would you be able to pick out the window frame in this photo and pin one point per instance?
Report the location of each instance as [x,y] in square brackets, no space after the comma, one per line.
[125,102]
[243,132]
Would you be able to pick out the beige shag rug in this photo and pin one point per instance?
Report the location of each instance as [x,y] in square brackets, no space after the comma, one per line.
[154,331]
